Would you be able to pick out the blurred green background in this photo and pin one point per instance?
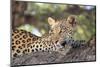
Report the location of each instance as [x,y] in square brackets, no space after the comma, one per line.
[33,16]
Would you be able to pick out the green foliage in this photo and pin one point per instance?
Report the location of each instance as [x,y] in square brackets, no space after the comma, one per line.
[85,16]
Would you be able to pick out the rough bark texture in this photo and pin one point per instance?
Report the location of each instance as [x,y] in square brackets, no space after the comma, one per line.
[82,53]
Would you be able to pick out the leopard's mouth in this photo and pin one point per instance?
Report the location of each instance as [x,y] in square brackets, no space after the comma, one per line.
[63,43]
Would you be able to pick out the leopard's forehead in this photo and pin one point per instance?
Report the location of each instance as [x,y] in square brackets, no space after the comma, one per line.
[70,21]
[62,24]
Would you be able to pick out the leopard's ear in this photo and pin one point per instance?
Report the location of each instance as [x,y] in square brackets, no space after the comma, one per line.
[51,21]
[72,20]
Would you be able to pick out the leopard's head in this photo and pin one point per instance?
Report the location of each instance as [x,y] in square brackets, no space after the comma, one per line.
[62,29]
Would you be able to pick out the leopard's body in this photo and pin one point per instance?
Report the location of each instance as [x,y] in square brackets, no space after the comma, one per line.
[60,30]
[20,40]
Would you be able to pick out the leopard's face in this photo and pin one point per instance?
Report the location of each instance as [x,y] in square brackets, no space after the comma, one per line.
[21,40]
[62,28]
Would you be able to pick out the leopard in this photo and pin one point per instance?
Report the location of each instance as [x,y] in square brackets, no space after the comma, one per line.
[24,42]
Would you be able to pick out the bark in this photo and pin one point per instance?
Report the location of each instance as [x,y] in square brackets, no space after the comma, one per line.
[80,54]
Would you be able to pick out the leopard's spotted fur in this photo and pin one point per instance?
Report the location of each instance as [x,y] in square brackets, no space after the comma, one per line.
[20,40]
[24,42]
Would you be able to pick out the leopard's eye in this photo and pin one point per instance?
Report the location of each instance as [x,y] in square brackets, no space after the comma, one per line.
[60,31]
[51,31]
[63,27]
